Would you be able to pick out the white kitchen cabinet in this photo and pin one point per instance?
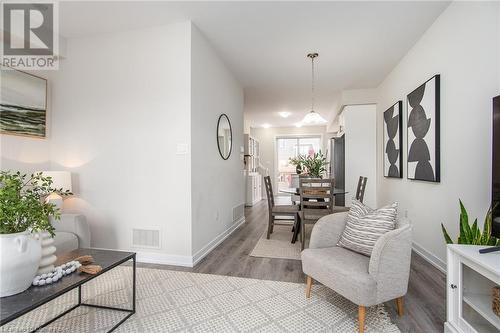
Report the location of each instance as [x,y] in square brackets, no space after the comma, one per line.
[253,188]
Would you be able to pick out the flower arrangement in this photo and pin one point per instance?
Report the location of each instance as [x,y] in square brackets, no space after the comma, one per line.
[313,165]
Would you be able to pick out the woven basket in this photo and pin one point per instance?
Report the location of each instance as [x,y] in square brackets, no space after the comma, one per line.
[496,300]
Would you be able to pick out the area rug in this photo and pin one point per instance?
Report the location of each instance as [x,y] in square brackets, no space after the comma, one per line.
[174,301]
[278,245]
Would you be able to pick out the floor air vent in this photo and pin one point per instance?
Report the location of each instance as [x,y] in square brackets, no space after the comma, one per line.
[238,212]
[146,238]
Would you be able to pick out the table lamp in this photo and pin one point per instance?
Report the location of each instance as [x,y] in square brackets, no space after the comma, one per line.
[60,179]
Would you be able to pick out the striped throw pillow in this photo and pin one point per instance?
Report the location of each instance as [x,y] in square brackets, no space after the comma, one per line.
[364,226]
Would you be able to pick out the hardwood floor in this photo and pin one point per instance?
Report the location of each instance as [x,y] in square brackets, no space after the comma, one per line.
[424,305]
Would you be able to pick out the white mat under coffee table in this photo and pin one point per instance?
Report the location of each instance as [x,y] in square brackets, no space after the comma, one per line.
[174,301]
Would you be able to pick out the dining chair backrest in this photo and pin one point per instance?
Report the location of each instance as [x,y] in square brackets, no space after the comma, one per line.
[269,192]
[360,191]
[316,197]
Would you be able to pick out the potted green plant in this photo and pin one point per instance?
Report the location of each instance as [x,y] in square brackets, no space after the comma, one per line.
[472,235]
[297,161]
[313,165]
[23,212]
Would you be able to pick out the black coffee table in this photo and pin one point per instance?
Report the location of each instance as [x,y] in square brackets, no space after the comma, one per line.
[14,306]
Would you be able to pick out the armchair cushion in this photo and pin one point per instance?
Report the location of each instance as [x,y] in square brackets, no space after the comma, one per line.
[72,232]
[65,242]
[364,226]
[342,270]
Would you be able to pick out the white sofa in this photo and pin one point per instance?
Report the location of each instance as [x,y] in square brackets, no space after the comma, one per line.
[72,232]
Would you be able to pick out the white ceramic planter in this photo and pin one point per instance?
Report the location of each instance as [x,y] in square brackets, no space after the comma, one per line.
[20,255]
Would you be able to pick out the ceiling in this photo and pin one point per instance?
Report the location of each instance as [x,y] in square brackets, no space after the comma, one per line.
[265,43]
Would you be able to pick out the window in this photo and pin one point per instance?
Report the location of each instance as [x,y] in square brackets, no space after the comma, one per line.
[288,147]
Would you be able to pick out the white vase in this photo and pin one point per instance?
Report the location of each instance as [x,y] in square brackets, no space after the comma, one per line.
[48,250]
[20,255]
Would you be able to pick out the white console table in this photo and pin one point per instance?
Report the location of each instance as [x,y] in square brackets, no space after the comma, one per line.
[470,278]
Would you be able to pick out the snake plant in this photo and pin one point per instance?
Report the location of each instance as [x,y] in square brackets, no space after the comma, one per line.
[472,235]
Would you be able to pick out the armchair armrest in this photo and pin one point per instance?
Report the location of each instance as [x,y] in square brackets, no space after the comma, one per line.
[76,224]
[390,262]
[327,231]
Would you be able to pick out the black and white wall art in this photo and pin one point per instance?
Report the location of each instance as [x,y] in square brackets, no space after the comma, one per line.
[423,132]
[393,140]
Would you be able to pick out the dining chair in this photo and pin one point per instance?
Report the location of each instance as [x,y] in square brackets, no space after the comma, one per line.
[316,201]
[360,194]
[278,210]
[294,183]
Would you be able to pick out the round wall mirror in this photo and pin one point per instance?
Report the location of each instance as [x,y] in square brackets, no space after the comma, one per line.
[224,136]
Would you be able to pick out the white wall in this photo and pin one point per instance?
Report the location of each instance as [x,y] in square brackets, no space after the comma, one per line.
[360,151]
[217,185]
[462,46]
[121,106]
[267,138]
[118,116]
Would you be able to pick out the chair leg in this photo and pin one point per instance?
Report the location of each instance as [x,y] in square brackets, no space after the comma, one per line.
[309,283]
[399,305]
[302,235]
[296,229]
[270,226]
[361,318]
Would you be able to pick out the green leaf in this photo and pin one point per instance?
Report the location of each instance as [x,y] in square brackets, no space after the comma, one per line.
[485,239]
[465,231]
[447,237]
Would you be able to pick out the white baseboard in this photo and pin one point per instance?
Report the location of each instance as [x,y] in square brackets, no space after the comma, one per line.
[429,257]
[164,259]
[216,241]
[178,260]
[157,258]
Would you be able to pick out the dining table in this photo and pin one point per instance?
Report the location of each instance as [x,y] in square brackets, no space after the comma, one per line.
[296,191]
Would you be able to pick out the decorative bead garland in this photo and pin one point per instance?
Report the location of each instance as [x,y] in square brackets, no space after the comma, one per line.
[56,274]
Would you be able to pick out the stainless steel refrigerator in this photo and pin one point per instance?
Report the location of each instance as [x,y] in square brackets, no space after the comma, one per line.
[337,166]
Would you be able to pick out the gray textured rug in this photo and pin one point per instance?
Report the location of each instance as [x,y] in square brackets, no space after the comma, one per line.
[172,301]
[278,245]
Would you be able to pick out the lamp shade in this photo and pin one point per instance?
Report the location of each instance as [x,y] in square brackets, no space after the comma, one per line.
[313,118]
[60,179]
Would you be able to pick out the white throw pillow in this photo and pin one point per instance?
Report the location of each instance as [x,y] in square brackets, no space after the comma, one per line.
[364,226]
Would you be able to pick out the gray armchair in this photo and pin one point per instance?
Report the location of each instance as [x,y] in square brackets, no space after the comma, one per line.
[365,281]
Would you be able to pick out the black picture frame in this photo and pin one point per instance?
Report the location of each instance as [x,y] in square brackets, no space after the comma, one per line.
[393,149]
[423,160]
[223,115]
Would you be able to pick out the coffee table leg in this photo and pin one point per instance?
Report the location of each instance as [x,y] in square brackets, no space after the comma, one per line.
[129,311]
[133,283]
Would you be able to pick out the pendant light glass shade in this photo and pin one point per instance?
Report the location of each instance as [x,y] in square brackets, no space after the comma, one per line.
[313,118]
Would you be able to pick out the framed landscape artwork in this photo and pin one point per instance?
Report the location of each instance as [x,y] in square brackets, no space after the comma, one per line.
[393,139]
[423,132]
[23,103]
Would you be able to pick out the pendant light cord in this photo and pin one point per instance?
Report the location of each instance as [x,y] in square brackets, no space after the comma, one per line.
[312,84]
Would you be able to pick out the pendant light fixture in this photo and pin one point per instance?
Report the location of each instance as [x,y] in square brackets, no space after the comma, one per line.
[313,118]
